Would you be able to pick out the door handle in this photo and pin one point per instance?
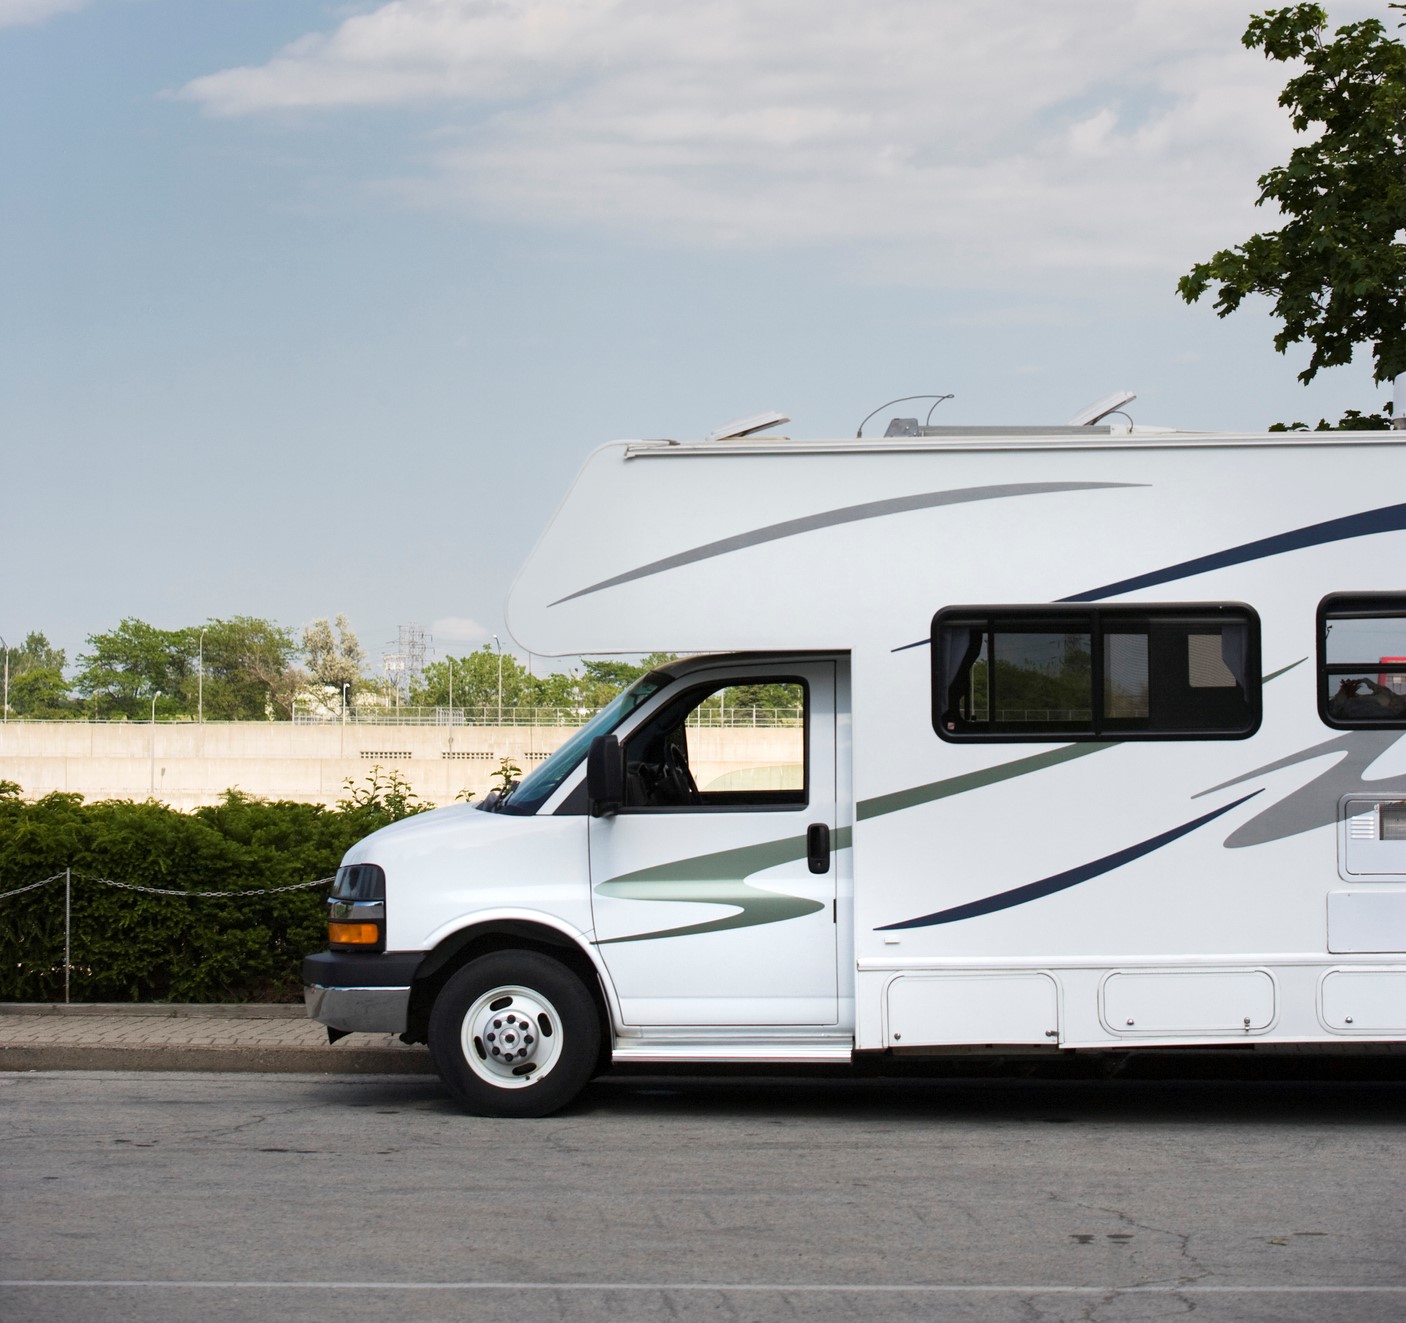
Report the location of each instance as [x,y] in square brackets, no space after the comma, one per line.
[818,847]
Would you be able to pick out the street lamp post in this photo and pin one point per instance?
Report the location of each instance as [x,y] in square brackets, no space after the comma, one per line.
[345,687]
[200,690]
[450,660]
[499,646]
[5,711]
[156,693]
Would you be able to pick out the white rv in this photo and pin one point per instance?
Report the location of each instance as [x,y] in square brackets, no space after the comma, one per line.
[1081,739]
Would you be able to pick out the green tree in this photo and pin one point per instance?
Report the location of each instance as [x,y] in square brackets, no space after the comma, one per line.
[246,663]
[248,668]
[1336,269]
[37,684]
[132,663]
[475,682]
[333,659]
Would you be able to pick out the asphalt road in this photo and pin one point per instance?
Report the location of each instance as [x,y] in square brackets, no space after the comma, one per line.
[240,1197]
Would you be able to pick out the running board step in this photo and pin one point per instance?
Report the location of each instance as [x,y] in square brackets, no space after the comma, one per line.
[824,1049]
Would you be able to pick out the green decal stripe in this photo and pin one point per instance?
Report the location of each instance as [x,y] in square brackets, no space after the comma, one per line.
[719,879]
[959,785]
[755,906]
[739,862]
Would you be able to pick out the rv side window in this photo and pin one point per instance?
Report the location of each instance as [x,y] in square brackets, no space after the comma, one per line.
[738,745]
[1096,672]
[1362,660]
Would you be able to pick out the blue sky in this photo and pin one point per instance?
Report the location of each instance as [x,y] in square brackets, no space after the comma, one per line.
[310,308]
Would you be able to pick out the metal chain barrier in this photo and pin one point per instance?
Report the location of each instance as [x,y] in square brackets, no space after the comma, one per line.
[33,886]
[168,891]
[197,895]
[68,876]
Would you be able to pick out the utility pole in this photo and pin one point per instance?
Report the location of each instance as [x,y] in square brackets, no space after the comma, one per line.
[499,646]
[156,693]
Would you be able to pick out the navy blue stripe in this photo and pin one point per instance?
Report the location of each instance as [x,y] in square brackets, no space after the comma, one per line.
[1387,519]
[1061,881]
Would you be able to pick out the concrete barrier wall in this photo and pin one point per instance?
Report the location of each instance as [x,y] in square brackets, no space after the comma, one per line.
[187,765]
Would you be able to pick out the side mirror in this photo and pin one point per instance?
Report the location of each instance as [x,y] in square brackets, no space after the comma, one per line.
[605,776]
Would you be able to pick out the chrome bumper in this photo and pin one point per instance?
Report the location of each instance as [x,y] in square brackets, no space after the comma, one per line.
[359,1010]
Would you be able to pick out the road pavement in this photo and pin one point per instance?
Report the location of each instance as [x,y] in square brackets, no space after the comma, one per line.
[232,1197]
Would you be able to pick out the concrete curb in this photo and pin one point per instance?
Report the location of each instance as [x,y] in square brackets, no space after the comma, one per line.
[274,1061]
[152,1010]
[227,1038]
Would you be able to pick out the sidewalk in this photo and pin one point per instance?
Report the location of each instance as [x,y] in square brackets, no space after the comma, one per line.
[146,1036]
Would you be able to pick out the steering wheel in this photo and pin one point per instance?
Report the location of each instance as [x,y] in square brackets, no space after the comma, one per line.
[683,789]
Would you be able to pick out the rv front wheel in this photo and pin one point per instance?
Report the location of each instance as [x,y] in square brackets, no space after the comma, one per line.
[514,1033]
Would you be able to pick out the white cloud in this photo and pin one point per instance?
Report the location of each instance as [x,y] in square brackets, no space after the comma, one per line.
[459,629]
[15,13]
[934,138]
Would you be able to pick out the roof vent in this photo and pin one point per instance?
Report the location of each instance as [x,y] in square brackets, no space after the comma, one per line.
[758,422]
[1088,417]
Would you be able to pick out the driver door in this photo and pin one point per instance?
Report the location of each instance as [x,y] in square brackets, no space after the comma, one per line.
[713,887]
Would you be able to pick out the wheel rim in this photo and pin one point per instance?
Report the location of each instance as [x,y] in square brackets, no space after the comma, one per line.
[511,1037]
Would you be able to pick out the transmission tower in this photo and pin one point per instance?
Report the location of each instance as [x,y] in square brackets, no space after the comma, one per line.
[406,665]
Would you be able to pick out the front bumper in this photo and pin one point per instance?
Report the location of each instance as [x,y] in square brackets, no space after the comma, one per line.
[360,992]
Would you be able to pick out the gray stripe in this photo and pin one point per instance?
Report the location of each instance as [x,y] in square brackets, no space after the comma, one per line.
[848,514]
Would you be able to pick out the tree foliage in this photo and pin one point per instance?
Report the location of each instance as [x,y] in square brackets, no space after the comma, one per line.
[476,681]
[334,657]
[245,660]
[1336,269]
[249,674]
[37,687]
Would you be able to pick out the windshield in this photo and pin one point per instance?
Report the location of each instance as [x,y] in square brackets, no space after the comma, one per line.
[541,783]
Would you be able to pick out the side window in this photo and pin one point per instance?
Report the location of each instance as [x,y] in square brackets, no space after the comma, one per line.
[737,745]
[1362,660]
[1116,672]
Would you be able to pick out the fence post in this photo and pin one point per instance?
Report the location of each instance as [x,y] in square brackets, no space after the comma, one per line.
[67,920]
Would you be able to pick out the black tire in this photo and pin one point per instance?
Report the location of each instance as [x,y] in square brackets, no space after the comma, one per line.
[514,1033]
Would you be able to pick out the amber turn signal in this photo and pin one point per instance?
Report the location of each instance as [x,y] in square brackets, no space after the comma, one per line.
[354,934]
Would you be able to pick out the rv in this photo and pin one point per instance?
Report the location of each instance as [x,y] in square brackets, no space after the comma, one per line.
[1000,740]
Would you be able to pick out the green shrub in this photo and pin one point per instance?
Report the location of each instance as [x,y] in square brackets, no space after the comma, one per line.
[245,944]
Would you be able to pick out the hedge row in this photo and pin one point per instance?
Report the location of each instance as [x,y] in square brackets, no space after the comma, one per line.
[131,946]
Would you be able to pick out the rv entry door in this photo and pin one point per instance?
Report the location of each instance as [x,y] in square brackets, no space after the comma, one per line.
[713,887]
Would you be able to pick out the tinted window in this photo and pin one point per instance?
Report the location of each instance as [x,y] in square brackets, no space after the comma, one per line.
[1031,673]
[735,745]
[1362,660]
